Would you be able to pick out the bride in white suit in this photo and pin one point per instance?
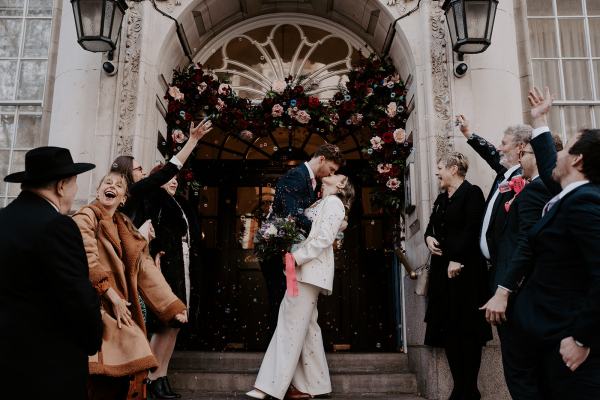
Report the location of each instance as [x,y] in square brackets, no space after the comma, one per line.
[295,359]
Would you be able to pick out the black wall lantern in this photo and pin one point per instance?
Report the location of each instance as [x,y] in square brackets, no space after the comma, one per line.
[98,23]
[470,23]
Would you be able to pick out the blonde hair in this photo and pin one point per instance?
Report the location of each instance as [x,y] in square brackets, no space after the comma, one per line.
[346,193]
[458,159]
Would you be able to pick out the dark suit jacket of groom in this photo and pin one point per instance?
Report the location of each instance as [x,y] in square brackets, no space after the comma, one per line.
[293,194]
[501,236]
[562,296]
[49,313]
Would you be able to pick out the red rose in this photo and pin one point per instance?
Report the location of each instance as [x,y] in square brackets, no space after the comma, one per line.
[188,175]
[313,102]
[299,89]
[388,137]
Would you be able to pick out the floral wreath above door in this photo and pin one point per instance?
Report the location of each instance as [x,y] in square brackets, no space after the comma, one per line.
[295,77]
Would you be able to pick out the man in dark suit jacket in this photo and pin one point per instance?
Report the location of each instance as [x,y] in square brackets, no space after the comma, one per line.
[557,313]
[49,313]
[296,191]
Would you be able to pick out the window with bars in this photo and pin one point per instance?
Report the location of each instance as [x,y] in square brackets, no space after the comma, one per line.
[564,37]
[25,30]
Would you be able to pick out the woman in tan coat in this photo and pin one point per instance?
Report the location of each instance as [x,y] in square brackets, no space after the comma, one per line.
[120,266]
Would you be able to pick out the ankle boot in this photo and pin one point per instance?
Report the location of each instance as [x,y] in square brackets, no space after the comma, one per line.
[169,389]
[158,390]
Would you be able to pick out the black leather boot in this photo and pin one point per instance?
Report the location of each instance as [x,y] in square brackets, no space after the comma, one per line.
[169,389]
[157,389]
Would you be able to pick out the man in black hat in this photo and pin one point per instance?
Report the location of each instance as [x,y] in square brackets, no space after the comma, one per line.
[49,313]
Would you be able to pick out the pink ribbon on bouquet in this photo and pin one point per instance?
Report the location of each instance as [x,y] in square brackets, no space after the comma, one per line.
[290,275]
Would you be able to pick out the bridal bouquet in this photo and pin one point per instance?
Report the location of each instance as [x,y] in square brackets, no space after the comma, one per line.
[276,236]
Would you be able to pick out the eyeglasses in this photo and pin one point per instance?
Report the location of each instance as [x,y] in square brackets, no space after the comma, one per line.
[138,168]
[523,152]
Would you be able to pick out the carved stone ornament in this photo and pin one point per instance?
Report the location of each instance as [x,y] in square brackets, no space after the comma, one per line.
[130,68]
[124,145]
[441,81]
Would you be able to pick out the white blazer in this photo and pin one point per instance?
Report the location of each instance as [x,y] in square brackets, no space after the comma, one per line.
[314,256]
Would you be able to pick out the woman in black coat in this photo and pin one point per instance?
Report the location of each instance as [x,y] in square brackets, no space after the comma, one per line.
[458,276]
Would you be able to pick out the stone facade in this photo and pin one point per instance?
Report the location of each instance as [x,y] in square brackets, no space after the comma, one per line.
[99,116]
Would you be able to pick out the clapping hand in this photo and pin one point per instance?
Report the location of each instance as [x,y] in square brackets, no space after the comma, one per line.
[182,317]
[198,132]
[540,105]
[433,246]
[572,354]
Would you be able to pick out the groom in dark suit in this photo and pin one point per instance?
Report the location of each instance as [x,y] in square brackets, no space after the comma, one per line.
[557,313]
[49,313]
[296,191]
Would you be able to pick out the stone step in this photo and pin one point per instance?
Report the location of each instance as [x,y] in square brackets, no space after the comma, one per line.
[402,382]
[190,395]
[250,362]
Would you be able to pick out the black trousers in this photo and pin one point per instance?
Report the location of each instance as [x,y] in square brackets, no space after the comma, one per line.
[272,270]
[519,361]
[464,359]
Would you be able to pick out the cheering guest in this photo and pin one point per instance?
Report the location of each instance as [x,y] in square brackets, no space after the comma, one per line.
[458,276]
[120,265]
[49,313]
[557,311]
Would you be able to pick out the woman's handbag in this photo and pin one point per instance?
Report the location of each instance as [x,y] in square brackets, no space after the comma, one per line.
[423,277]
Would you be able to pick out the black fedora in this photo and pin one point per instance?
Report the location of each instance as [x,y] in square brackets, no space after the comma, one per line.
[45,164]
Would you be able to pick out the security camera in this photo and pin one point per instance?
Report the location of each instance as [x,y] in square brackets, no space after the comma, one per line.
[461,69]
[109,68]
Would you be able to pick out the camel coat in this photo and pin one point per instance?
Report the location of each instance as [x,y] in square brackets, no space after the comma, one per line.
[118,257]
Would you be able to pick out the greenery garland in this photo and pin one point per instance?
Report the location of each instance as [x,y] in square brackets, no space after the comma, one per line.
[372,104]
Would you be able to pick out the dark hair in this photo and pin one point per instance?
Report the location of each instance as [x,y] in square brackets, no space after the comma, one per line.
[124,166]
[157,168]
[588,145]
[331,152]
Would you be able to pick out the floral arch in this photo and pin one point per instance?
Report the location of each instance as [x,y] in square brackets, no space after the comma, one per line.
[273,86]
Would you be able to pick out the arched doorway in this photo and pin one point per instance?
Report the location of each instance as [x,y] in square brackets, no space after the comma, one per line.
[236,175]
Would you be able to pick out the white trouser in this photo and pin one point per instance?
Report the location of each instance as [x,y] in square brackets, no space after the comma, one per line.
[296,354]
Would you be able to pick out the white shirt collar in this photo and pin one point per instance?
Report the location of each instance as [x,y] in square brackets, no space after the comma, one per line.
[534,178]
[570,187]
[52,204]
[310,171]
[510,171]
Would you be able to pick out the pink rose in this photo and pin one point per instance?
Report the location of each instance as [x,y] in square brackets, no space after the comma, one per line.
[175,93]
[202,87]
[356,119]
[246,134]
[376,143]
[292,111]
[220,105]
[393,183]
[279,86]
[335,118]
[384,168]
[303,117]
[277,110]
[178,136]
[392,109]
[224,89]
[399,135]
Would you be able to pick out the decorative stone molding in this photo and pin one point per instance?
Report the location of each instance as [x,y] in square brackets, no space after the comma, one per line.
[441,81]
[401,4]
[124,145]
[130,68]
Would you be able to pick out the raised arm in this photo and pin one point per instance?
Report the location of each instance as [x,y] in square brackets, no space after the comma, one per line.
[541,138]
[323,231]
[485,149]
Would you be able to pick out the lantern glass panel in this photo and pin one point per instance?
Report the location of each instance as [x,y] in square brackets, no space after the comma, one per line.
[493,6]
[452,24]
[108,15]
[459,11]
[116,26]
[471,48]
[91,17]
[477,13]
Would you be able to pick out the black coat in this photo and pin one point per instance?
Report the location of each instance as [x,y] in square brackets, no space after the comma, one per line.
[49,313]
[501,236]
[562,296]
[137,207]
[453,304]
[170,226]
[293,194]
[525,212]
